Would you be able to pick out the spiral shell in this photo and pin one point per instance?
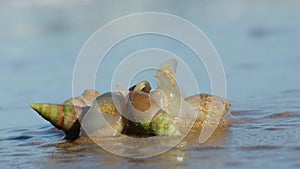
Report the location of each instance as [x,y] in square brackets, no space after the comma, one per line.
[62,116]
[207,104]
[211,109]
[66,116]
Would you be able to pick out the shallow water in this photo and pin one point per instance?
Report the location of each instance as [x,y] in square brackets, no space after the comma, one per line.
[258,44]
[251,140]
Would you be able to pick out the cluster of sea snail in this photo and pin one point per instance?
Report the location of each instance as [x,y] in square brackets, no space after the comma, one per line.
[140,111]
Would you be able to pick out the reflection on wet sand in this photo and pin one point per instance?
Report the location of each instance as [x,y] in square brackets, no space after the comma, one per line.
[177,157]
[246,136]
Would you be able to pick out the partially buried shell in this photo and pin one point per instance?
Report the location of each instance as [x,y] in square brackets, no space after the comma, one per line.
[211,110]
[62,116]
[207,104]
[66,116]
[140,111]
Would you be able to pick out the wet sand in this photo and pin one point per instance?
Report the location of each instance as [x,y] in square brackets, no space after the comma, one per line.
[270,141]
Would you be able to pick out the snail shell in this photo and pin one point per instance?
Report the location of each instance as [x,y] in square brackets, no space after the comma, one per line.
[66,116]
[62,116]
[103,118]
[167,83]
[211,109]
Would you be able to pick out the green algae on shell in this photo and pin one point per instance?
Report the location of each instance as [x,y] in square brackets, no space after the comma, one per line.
[163,124]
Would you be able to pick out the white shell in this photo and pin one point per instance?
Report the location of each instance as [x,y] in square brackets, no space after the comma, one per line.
[167,83]
[97,123]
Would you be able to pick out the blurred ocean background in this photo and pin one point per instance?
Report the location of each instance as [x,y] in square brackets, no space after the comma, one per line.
[258,42]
